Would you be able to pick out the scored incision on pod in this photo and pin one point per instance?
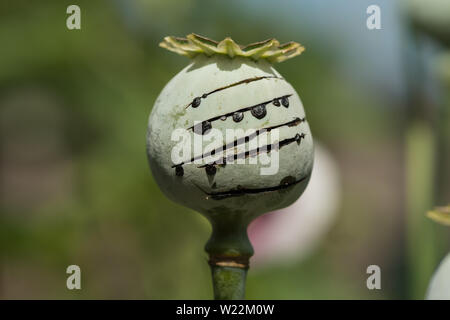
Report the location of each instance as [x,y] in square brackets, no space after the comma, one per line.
[202,127]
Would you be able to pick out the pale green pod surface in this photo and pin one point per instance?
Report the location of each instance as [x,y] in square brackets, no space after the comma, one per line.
[439,287]
[233,84]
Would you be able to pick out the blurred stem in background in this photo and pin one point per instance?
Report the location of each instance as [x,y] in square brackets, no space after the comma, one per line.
[441,67]
[427,140]
[420,157]
[426,161]
[419,166]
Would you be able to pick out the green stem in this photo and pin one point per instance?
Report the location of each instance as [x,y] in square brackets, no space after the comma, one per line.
[229,252]
[228,282]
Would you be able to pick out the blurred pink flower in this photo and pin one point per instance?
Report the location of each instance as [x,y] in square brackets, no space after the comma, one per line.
[289,234]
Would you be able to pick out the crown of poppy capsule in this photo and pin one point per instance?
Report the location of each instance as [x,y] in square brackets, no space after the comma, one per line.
[270,49]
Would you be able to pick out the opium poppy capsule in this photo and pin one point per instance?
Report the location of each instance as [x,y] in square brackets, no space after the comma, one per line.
[225,80]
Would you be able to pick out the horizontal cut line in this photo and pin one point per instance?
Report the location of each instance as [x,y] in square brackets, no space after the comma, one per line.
[245,81]
[242,140]
[254,152]
[241,110]
[244,191]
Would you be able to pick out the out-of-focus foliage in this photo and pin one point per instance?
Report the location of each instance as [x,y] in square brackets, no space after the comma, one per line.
[75,183]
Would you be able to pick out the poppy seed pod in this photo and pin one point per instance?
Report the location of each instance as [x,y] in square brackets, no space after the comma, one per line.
[228,137]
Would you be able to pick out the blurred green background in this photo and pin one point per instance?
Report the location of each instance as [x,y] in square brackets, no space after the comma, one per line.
[76,188]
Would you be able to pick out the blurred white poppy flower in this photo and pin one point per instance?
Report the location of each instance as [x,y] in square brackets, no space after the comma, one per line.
[439,288]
